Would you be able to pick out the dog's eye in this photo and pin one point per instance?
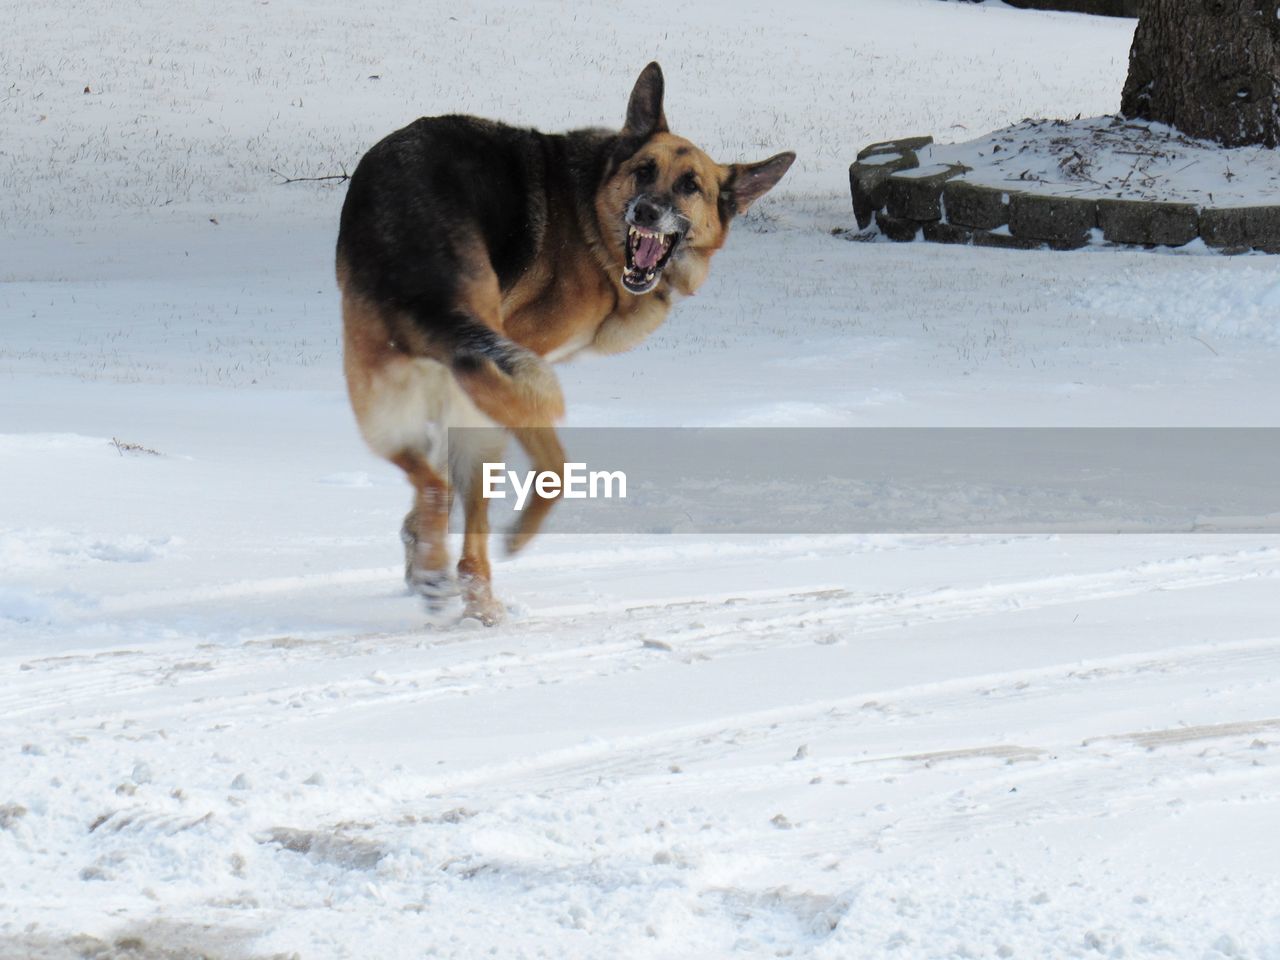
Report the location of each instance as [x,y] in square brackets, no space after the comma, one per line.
[687,184]
[647,172]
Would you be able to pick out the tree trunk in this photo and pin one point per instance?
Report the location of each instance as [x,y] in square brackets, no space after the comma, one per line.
[1207,67]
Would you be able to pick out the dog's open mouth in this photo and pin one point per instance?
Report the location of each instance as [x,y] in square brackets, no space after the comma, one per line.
[647,253]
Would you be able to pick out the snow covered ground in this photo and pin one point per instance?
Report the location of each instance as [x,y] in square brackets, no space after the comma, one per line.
[226,732]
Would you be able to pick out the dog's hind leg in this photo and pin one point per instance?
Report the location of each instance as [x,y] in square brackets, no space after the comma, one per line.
[425,529]
[404,406]
[409,537]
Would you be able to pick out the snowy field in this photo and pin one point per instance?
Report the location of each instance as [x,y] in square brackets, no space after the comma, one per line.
[226,732]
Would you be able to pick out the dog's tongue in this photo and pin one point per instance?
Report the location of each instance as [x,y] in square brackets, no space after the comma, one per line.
[648,252]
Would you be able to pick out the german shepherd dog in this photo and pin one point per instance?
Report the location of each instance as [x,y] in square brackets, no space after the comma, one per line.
[472,255]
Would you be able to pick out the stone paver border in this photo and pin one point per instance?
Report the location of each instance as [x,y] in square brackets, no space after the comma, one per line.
[938,204]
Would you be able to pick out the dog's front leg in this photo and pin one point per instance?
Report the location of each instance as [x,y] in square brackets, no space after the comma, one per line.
[473,567]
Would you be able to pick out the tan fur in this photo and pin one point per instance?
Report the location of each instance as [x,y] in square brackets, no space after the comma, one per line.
[542,444]
[479,293]
[563,297]
[473,567]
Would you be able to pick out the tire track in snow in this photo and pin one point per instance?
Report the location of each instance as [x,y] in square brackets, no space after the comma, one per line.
[941,796]
[724,625]
[963,794]
[587,559]
[746,629]
[781,729]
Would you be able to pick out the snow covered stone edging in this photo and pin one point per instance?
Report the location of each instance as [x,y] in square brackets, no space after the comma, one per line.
[1101,8]
[1065,184]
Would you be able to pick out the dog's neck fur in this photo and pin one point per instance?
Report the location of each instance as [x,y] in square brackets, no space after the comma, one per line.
[591,160]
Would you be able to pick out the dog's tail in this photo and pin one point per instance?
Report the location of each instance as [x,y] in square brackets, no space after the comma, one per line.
[510,384]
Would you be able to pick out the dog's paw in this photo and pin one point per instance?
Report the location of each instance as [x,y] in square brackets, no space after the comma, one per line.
[435,587]
[516,540]
[487,612]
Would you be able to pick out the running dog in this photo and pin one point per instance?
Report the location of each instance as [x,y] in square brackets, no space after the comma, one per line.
[472,255]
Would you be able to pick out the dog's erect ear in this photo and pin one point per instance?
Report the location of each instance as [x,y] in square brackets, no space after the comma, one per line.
[748,182]
[644,111]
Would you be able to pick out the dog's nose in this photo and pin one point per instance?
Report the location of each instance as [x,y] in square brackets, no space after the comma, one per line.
[646,213]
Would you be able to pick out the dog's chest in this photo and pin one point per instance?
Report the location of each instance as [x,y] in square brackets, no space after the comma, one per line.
[580,340]
[561,327]
[634,321]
